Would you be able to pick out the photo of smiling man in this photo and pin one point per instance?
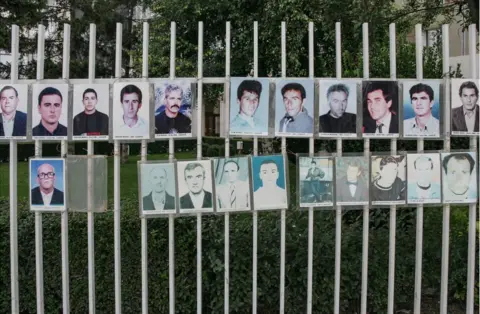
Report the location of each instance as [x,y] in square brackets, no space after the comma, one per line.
[294,108]
[50,112]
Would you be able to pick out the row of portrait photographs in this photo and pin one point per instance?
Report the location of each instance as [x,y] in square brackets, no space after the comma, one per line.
[379,180]
[381,109]
[130,115]
[219,184]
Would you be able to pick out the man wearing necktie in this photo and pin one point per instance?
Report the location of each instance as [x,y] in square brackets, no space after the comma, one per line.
[234,193]
[296,118]
[466,117]
[380,105]
[352,187]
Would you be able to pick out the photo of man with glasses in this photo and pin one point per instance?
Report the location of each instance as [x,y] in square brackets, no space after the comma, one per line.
[47,183]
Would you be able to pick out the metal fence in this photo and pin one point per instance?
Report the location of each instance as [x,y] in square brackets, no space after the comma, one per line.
[200,80]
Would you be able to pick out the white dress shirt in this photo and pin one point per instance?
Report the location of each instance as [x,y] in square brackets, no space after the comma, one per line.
[47,198]
[470,118]
[159,200]
[8,125]
[386,124]
[197,200]
[432,127]
[352,188]
[138,129]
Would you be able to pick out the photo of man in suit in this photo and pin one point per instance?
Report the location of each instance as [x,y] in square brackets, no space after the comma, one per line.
[380,106]
[50,105]
[423,178]
[352,187]
[158,199]
[296,118]
[459,177]
[386,185]
[337,120]
[466,117]
[196,197]
[46,194]
[90,122]
[14,122]
[233,193]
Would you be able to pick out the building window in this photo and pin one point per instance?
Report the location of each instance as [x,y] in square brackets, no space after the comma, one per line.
[430,37]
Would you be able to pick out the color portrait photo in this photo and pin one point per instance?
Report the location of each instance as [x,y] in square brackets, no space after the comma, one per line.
[173,109]
[388,180]
[465,112]
[380,109]
[195,186]
[91,103]
[315,176]
[249,106]
[294,113]
[157,188]
[459,177]
[269,182]
[421,109]
[352,175]
[47,184]
[131,110]
[338,109]
[232,184]
[13,111]
[50,112]
[423,172]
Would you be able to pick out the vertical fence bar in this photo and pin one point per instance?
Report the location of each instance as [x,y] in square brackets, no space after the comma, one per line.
[446,147]
[226,292]
[283,211]
[116,185]
[472,211]
[64,227]
[255,213]
[419,231]
[143,157]
[199,156]
[393,208]
[90,213]
[13,186]
[338,210]
[311,216]
[366,211]
[171,156]
[38,215]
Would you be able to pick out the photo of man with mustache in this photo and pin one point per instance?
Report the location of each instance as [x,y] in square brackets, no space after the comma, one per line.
[172,120]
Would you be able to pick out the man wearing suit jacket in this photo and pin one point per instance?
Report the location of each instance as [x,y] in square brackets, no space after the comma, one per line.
[352,187]
[465,118]
[14,122]
[234,194]
[45,193]
[158,199]
[380,102]
[196,197]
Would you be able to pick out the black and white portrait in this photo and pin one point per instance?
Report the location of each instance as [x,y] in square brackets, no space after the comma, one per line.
[352,175]
[232,184]
[195,188]
[157,188]
[423,173]
[465,110]
[380,109]
[315,176]
[459,177]
[13,111]
[338,109]
[47,184]
[388,180]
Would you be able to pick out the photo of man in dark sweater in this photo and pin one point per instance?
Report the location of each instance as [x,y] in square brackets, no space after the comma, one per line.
[90,122]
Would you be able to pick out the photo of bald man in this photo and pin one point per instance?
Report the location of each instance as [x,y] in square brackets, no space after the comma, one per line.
[47,184]
[157,188]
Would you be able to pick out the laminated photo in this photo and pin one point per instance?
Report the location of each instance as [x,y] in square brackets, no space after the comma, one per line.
[315,177]
[465,112]
[47,184]
[352,180]
[388,180]
[423,173]
[157,188]
[269,182]
[459,177]
[13,111]
[232,184]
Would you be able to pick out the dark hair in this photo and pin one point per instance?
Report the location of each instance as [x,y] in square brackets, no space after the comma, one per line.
[313,162]
[9,87]
[249,86]
[354,163]
[338,88]
[130,89]
[89,90]
[49,91]
[459,156]
[228,161]
[468,84]
[388,160]
[191,166]
[425,157]
[388,89]
[268,161]
[294,86]
[420,87]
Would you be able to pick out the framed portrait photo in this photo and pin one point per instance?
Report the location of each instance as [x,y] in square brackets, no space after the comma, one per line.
[269,182]
[338,102]
[131,111]
[232,184]
[459,177]
[13,111]
[50,111]
[380,109]
[424,179]
[195,186]
[249,106]
[294,112]
[315,181]
[173,109]
[465,112]
[158,188]
[91,111]
[388,180]
[47,184]
[352,177]
[421,109]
